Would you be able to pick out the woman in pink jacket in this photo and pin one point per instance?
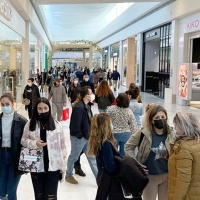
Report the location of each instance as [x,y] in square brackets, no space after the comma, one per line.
[42,131]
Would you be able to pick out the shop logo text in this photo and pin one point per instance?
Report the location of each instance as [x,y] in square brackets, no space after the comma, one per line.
[192,25]
[6,9]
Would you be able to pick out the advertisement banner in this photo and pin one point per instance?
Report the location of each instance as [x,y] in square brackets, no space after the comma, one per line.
[185,81]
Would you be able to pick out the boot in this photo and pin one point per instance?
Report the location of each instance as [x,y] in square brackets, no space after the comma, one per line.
[79,171]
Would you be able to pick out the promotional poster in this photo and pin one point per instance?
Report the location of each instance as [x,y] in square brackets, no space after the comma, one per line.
[184,89]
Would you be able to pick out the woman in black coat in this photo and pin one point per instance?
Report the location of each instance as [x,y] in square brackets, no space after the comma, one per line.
[32,93]
[74,90]
[11,130]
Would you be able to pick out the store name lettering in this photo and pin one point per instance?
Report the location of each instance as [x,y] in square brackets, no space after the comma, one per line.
[114,54]
[193,24]
[6,9]
[151,34]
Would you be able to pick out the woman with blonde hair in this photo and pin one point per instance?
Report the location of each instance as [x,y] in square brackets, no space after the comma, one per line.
[132,86]
[184,174]
[153,142]
[104,96]
[102,145]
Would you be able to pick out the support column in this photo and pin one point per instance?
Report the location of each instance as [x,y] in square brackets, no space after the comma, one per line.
[174,60]
[25,55]
[108,57]
[84,56]
[43,58]
[120,68]
[130,61]
[90,57]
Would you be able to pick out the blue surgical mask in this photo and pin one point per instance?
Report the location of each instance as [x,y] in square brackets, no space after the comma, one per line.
[6,109]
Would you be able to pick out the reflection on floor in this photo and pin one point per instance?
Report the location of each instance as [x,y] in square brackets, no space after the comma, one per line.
[86,189]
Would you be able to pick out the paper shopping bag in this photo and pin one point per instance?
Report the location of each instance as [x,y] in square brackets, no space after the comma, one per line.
[65,114]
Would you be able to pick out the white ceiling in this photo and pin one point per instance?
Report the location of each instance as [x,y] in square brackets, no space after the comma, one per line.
[76,21]
[66,22]
[90,1]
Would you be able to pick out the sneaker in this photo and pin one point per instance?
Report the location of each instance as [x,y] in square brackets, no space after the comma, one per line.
[79,171]
[71,180]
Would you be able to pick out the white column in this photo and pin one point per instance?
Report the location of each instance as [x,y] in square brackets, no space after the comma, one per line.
[25,55]
[120,68]
[84,56]
[43,57]
[108,57]
[139,56]
[174,59]
[90,57]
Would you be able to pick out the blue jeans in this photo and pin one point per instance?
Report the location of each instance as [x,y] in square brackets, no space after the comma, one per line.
[102,110]
[122,138]
[78,145]
[8,183]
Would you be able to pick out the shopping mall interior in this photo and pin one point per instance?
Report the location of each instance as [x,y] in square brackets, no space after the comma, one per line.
[153,43]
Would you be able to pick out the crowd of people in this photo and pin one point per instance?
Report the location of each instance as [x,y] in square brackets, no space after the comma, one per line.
[131,149]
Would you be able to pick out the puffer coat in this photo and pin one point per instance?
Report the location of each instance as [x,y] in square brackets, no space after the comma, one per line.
[184,170]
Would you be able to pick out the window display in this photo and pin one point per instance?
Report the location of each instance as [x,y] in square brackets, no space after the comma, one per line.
[10,63]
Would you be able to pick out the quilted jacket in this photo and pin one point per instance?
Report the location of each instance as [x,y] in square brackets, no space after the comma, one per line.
[184,170]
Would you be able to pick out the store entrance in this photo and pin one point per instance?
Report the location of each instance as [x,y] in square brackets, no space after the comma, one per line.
[114,62]
[195,60]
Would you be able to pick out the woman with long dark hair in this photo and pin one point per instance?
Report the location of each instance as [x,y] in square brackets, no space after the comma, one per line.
[74,90]
[42,131]
[104,96]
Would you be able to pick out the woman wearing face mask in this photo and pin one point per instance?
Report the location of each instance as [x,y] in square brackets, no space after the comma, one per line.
[153,142]
[42,131]
[32,93]
[74,90]
[184,173]
[11,130]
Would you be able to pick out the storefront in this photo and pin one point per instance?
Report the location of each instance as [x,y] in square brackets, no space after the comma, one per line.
[114,56]
[188,91]
[156,60]
[11,72]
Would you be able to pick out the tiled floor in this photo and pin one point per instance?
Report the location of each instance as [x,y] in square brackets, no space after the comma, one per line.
[86,189]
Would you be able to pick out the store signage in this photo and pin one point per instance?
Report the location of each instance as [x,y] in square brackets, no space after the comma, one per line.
[114,54]
[151,34]
[6,9]
[193,25]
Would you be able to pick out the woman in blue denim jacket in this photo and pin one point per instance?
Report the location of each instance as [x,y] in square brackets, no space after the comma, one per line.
[137,108]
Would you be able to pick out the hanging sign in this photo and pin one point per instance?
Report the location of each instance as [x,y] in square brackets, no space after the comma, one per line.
[6,9]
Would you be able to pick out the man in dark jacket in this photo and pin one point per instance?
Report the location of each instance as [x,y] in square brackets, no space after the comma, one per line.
[79,133]
[32,93]
[86,82]
[115,77]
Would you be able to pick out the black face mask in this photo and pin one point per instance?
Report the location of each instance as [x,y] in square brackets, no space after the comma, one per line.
[42,116]
[160,123]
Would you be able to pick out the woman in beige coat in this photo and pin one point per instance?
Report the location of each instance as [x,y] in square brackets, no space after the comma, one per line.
[153,142]
[184,160]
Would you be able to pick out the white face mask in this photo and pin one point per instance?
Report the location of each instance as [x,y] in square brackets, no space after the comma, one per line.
[29,84]
[175,133]
[92,97]
[86,79]
[75,82]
